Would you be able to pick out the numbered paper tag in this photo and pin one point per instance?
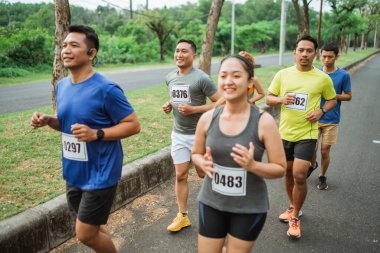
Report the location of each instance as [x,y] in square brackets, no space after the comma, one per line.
[180,94]
[73,149]
[300,102]
[229,181]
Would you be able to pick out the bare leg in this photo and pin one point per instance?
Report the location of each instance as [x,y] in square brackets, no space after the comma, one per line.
[95,237]
[300,168]
[289,181]
[210,245]
[236,245]
[325,160]
[181,185]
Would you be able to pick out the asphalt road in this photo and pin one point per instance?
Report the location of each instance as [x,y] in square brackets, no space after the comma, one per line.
[344,218]
[28,96]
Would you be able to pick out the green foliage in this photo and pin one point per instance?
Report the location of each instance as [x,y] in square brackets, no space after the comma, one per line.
[13,72]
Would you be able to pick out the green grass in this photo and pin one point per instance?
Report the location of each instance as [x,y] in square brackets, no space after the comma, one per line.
[30,160]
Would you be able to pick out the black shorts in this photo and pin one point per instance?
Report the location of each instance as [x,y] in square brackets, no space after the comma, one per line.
[217,224]
[91,206]
[303,149]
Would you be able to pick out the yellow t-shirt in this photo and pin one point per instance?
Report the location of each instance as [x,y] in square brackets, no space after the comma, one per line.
[309,87]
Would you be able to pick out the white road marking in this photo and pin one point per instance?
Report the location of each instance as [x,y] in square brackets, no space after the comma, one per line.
[376,141]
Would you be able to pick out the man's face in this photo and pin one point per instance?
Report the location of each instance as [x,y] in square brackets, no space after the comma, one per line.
[74,51]
[305,53]
[184,55]
[328,58]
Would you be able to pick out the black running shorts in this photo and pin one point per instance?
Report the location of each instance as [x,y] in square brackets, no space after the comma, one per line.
[217,224]
[303,149]
[91,206]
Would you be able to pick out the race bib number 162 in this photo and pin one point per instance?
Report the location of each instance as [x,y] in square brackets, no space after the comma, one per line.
[300,102]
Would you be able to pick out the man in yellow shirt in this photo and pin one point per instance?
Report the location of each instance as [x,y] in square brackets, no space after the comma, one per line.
[299,89]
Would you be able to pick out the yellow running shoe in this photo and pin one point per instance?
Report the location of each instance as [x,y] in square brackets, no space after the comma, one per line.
[294,230]
[179,222]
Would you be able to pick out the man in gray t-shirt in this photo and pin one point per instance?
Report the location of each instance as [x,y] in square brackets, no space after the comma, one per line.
[188,91]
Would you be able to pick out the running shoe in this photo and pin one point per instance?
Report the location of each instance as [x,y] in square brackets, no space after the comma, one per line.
[322,185]
[179,222]
[294,230]
[311,169]
[288,214]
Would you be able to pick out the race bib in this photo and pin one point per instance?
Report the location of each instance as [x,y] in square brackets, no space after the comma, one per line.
[229,181]
[300,102]
[180,94]
[74,149]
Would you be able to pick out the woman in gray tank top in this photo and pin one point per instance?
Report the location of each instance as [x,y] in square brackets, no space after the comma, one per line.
[229,144]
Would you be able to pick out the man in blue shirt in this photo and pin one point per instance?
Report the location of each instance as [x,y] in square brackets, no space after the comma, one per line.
[329,123]
[93,114]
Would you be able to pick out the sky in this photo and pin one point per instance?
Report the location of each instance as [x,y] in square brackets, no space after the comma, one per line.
[92,4]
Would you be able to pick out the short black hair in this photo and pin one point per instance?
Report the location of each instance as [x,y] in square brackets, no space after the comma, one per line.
[91,36]
[308,38]
[330,47]
[192,44]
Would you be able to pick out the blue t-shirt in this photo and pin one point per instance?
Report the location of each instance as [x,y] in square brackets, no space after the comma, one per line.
[342,83]
[97,103]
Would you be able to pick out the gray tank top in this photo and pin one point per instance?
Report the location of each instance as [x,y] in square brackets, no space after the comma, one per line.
[234,189]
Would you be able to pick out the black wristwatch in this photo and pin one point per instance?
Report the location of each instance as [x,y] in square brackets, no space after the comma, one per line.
[100,134]
[323,110]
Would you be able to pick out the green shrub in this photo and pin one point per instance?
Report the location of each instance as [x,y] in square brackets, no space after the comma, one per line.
[13,72]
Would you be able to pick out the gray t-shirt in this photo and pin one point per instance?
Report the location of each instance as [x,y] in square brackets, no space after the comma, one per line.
[192,88]
[234,189]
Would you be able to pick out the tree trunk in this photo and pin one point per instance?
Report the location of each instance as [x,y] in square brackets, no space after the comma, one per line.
[162,51]
[208,39]
[306,29]
[363,44]
[62,22]
[299,19]
[356,37]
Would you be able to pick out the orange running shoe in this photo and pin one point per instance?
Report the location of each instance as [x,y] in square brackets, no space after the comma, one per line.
[294,230]
[288,214]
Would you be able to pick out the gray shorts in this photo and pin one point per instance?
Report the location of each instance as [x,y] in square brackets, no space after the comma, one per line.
[181,147]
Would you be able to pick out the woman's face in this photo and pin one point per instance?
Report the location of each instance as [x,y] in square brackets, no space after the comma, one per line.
[233,79]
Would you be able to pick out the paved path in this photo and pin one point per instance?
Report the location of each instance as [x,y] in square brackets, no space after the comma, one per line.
[344,218]
[29,96]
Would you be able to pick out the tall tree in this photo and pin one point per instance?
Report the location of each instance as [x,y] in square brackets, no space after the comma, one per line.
[62,22]
[209,36]
[303,20]
[158,22]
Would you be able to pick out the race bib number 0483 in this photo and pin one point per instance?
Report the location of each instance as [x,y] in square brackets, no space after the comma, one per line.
[300,102]
[180,94]
[229,181]
[73,149]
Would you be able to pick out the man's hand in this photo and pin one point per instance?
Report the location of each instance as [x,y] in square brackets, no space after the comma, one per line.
[167,107]
[288,99]
[39,120]
[83,133]
[185,109]
[314,116]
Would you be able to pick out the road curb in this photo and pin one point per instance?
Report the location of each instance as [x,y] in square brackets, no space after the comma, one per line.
[44,227]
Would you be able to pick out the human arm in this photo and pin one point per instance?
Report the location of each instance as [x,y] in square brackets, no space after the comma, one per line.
[274,100]
[128,126]
[346,96]
[201,156]
[259,94]
[270,136]
[40,120]
[314,116]
[187,109]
